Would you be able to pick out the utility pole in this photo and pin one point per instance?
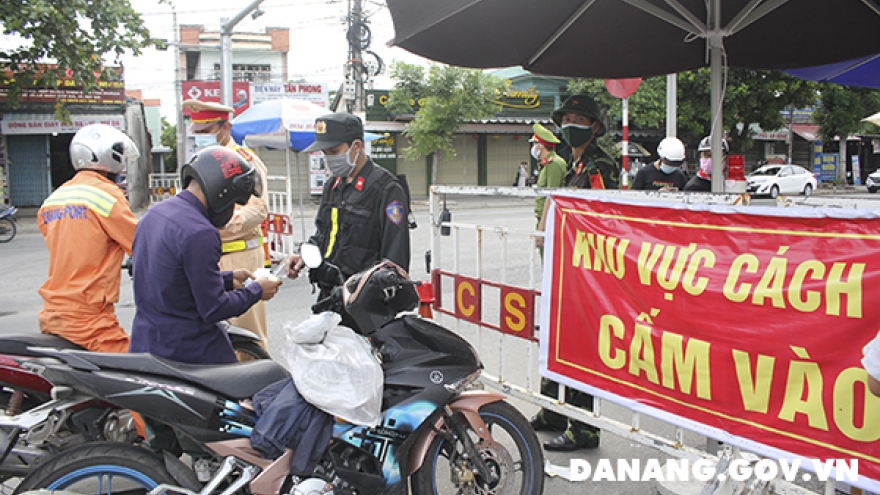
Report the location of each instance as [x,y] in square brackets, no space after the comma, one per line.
[358,39]
[178,94]
[226,52]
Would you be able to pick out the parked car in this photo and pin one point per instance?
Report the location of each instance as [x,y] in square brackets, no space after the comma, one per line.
[873,181]
[773,180]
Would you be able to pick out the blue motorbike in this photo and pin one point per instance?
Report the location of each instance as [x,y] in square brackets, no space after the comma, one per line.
[8,223]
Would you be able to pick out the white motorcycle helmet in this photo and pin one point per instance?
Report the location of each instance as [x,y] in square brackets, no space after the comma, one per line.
[706,145]
[671,150]
[101,147]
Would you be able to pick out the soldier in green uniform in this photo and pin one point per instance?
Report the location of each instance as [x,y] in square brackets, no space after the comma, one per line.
[580,123]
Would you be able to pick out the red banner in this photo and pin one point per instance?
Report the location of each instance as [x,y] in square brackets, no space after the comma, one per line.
[210,91]
[745,324]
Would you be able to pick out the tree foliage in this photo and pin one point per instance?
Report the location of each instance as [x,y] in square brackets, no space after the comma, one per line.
[751,97]
[842,109]
[445,98]
[77,35]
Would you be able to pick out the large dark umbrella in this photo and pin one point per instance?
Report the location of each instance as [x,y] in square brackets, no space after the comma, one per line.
[638,38]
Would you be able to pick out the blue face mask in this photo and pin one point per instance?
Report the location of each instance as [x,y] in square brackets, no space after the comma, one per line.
[667,169]
[205,140]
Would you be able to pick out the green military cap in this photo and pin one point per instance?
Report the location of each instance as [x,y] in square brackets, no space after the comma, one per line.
[583,105]
[543,136]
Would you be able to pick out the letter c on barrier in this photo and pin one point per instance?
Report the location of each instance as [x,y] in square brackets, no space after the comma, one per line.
[467,309]
[468,292]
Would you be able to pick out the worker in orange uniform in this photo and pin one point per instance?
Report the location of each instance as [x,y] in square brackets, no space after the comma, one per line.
[88,227]
[242,239]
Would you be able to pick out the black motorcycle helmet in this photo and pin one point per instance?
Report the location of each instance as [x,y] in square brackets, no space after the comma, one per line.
[226,179]
[373,297]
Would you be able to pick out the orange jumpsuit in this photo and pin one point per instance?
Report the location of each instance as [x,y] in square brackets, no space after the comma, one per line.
[242,243]
[88,226]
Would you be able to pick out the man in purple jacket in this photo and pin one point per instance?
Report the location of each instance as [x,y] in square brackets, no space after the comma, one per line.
[180,293]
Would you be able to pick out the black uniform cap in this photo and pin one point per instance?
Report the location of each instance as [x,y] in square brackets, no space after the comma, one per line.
[334,129]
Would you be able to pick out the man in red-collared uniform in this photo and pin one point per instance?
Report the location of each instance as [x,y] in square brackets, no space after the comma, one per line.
[362,218]
[242,239]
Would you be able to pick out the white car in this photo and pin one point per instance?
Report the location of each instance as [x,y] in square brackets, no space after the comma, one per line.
[773,180]
[873,182]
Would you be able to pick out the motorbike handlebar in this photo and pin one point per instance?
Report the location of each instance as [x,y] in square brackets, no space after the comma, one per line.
[333,302]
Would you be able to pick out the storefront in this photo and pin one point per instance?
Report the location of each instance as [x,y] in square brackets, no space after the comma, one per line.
[34,156]
[487,153]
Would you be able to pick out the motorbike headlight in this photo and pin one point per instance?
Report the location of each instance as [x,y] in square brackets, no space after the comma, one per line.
[460,385]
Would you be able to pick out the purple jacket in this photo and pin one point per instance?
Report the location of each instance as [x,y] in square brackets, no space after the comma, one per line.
[179,291]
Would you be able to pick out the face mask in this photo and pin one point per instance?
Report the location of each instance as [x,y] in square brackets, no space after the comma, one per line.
[205,140]
[340,165]
[576,135]
[667,169]
[536,152]
[706,166]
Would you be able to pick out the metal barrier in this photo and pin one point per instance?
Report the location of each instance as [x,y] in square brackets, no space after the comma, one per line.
[504,259]
[278,203]
[281,241]
[163,186]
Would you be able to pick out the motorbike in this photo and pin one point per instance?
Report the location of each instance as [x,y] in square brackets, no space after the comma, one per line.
[436,433]
[34,427]
[8,223]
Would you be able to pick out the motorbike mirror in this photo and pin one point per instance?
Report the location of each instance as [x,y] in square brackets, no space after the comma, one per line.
[311,255]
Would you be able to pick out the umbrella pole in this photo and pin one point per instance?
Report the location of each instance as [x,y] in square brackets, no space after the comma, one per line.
[302,216]
[716,111]
[288,192]
[716,41]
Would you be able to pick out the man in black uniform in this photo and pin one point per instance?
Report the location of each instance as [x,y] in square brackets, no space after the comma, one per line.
[665,174]
[362,218]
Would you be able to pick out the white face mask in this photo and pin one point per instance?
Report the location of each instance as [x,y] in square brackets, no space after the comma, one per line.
[205,140]
[536,152]
[340,165]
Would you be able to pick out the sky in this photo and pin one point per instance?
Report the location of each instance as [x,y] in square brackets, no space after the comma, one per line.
[318,48]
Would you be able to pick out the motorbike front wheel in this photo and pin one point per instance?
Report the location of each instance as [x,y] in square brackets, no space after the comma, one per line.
[101,468]
[7,229]
[513,456]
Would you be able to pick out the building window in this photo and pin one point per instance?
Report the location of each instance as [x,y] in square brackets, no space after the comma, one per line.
[247,72]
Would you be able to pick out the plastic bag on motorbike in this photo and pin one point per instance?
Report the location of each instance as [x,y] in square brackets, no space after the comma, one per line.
[337,374]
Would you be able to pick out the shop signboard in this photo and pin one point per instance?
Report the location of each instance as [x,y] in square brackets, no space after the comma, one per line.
[210,91]
[15,123]
[310,91]
[824,164]
[67,90]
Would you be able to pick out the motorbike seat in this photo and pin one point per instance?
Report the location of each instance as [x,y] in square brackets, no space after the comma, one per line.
[18,344]
[233,380]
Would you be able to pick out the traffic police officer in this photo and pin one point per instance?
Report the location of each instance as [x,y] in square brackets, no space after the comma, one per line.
[362,217]
[552,168]
[242,239]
